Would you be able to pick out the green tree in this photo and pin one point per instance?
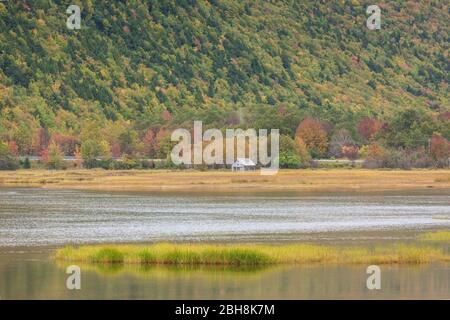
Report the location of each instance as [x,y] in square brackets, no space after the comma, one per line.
[90,152]
[55,156]
[293,153]
[164,147]
[7,160]
[24,139]
[105,150]
[127,141]
[410,128]
[93,151]
[26,163]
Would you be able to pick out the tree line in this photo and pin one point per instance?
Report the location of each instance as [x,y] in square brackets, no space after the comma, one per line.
[410,138]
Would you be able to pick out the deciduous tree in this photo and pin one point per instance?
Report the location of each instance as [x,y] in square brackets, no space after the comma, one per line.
[53,156]
[369,127]
[7,159]
[439,147]
[313,134]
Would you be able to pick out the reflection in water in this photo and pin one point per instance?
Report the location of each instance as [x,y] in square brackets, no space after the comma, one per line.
[32,275]
[168,269]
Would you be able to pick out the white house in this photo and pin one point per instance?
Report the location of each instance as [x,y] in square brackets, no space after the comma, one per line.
[243,164]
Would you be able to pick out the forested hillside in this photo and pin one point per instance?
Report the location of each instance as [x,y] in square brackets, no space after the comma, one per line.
[137,69]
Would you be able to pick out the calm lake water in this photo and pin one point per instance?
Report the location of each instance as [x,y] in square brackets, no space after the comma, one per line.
[37,217]
[33,222]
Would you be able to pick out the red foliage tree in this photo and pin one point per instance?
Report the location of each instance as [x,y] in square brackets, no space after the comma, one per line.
[149,141]
[13,148]
[66,143]
[368,127]
[115,150]
[445,116]
[439,147]
[166,115]
[44,155]
[41,141]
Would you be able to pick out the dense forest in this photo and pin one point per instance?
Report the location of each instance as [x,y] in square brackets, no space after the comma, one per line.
[138,69]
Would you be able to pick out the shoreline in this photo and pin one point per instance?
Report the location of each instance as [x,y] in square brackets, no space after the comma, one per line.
[340,238]
[190,181]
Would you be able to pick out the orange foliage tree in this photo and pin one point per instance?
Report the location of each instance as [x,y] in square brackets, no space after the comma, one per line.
[302,150]
[350,151]
[41,141]
[314,136]
[375,152]
[78,158]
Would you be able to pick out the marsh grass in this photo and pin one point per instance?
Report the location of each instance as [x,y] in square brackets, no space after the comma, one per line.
[250,255]
[438,236]
[330,180]
[107,255]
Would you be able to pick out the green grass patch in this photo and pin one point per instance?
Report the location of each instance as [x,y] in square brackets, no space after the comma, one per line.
[438,236]
[107,255]
[146,257]
[250,254]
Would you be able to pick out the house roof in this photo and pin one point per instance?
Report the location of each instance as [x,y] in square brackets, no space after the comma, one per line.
[244,162]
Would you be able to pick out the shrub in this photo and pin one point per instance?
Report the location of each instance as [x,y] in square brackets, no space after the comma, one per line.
[350,151]
[289,159]
[126,164]
[399,158]
[25,164]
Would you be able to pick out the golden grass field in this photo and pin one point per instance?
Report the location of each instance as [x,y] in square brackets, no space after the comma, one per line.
[308,180]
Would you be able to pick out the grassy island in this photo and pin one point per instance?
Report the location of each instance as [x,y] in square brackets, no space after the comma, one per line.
[255,254]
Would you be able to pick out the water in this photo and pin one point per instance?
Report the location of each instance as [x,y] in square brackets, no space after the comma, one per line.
[34,222]
[28,273]
[38,217]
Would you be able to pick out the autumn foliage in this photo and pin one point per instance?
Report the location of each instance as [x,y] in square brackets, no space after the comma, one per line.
[375,152]
[368,127]
[66,143]
[13,148]
[350,151]
[149,141]
[439,147]
[313,134]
